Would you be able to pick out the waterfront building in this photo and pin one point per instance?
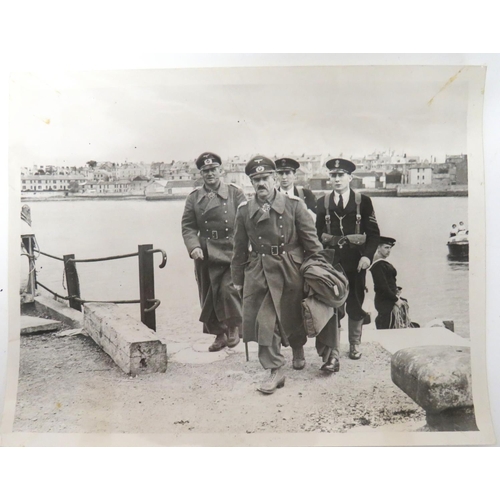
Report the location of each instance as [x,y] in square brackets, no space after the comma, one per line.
[101,187]
[50,182]
[369,180]
[420,174]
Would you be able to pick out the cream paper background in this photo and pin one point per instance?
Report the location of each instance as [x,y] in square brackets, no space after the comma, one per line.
[477,275]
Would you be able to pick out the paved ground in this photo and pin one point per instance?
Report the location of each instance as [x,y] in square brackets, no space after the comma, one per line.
[67,384]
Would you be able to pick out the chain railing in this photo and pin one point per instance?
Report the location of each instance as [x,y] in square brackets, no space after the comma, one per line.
[148,302]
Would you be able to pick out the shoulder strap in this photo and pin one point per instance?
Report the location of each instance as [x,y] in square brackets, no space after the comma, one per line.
[328,220]
[300,190]
[357,199]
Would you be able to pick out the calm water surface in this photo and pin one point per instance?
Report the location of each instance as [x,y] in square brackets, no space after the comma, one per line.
[434,286]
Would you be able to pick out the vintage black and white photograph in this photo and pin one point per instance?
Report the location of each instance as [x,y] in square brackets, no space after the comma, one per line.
[253,256]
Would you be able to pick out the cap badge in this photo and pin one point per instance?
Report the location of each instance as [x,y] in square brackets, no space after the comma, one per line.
[260,168]
[337,163]
[208,161]
[283,162]
[258,161]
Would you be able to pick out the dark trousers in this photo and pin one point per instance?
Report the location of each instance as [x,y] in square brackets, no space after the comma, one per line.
[356,297]
[328,340]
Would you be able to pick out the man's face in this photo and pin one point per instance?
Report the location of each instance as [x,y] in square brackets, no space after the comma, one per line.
[286,179]
[211,176]
[384,250]
[340,181]
[263,185]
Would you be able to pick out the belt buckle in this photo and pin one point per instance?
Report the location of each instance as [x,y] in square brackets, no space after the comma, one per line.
[215,235]
[274,250]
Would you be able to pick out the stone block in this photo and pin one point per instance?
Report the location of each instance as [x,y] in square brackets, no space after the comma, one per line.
[133,346]
[438,378]
[31,325]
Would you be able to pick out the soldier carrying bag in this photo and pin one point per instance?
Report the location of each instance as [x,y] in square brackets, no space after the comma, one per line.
[355,240]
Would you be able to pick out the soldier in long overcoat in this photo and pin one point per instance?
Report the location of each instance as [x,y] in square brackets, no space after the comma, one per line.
[273,235]
[348,214]
[207,229]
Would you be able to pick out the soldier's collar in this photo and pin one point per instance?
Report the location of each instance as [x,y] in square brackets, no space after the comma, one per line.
[222,191]
[278,204]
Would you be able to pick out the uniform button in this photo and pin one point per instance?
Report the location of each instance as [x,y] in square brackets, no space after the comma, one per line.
[263,255]
[225,221]
[282,244]
[282,235]
[206,222]
[281,217]
[227,237]
[209,237]
[262,245]
[224,204]
[281,226]
[260,237]
[225,212]
[227,229]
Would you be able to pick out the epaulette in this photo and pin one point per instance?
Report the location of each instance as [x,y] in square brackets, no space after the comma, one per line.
[235,185]
[293,197]
[242,204]
[195,189]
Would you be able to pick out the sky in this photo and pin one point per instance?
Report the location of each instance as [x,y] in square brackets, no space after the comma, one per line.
[164,115]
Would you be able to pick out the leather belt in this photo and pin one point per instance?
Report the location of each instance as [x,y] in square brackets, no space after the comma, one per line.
[264,249]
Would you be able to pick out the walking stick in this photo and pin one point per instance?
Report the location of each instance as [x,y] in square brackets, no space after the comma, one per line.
[246,350]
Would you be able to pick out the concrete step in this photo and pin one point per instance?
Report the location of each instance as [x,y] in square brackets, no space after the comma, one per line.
[31,324]
[395,340]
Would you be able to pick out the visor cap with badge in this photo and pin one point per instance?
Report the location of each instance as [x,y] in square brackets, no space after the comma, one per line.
[260,165]
[287,165]
[338,165]
[208,160]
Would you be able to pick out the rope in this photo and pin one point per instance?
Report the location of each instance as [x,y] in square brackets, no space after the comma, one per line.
[51,256]
[52,292]
[113,257]
[83,301]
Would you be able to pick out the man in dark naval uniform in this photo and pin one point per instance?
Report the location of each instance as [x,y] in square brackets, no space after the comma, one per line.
[387,292]
[274,234]
[346,222]
[207,229]
[286,169]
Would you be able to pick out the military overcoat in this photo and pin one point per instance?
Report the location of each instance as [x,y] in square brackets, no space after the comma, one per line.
[269,247]
[208,223]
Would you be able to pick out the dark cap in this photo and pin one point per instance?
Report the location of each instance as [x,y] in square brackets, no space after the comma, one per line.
[284,164]
[208,160]
[340,165]
[260,165]
[385,240]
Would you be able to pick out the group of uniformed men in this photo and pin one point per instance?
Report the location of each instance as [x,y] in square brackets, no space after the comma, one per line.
[247,257]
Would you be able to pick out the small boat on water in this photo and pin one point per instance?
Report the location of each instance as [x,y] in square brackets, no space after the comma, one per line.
[458,242]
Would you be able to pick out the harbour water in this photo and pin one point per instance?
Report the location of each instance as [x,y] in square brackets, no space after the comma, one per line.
[434,286]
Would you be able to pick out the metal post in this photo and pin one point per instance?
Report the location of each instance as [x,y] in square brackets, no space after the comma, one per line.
[147,286]
[72,281]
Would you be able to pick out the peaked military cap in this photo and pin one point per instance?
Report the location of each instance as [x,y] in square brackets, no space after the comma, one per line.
[385,240]
[284,164]
[340,165]
[260,165]
[208,160]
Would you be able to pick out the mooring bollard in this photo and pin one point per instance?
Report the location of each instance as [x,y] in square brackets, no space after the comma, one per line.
[72,281]
[147,286]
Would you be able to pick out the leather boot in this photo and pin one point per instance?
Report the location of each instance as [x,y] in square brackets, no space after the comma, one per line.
[299,360]
[355,330]
[219,343]
[331,366]
[276,380]
[233,339]
[353,352]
